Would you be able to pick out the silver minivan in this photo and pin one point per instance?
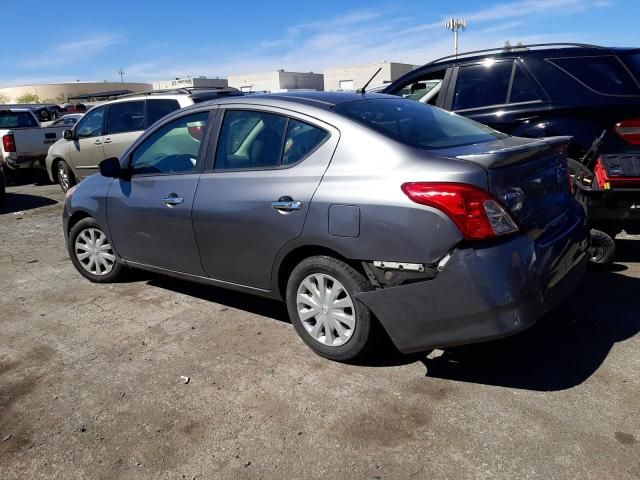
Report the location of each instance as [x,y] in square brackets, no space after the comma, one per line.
[107,130]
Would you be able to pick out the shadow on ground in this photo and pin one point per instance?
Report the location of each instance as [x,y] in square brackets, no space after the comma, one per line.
[19,202]
[562,350]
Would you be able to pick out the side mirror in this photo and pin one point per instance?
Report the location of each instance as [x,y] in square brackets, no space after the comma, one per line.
[110,168]
[67,134]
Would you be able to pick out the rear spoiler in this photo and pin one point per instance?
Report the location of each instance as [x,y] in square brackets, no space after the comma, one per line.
[520,153]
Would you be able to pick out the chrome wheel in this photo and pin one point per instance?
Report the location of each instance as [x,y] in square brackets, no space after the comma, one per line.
[94,252]
[326,309]
[63,176]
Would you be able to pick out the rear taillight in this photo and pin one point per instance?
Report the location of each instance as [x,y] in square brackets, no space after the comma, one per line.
[8,143]
[476,212]
[629,130]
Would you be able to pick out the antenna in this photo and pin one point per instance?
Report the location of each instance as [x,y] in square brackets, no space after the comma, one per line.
[121,73]
[363,89]
[456,24]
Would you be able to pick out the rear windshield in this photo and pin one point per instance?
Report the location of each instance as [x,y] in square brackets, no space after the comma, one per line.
[604,74]
[17,120]
[633,62]
[417,124]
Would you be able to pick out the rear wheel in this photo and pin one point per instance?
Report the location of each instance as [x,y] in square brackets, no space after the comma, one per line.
[602,248]
[322,306]
[65,175]
[91,252]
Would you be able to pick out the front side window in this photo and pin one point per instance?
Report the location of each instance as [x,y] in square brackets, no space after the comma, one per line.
[174,148]
[604,74]
[250,139]
[416,124]
[91,124]
[482,85]
[125,117]
[161,107]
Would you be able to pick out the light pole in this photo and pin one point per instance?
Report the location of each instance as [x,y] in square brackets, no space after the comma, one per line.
[456,24]
[121,72]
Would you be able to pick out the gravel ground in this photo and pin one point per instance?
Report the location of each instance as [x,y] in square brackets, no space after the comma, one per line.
[90,382]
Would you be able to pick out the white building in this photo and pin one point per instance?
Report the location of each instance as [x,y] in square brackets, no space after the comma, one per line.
[356,76]
[277,81]
[193,82]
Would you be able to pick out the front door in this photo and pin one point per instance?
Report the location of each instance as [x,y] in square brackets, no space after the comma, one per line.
[149,214]
[266,170]
[87,150]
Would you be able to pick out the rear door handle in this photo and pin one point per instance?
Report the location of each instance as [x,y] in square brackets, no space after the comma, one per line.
[172,200]
[286,206]
[97,142]
[107,140]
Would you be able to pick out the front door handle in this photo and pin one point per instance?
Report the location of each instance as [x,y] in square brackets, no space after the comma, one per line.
[286,205]
[172,200]
[107,140]
[97,142]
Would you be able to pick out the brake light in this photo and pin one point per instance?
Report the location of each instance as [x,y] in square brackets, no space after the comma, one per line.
[629,130]
[476,212]
[8,143]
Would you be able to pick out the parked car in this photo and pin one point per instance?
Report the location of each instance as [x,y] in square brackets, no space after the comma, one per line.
[24,142]
[73,108]
[68,120]
[352,208]
[3,187]
[589,92]
[108,129]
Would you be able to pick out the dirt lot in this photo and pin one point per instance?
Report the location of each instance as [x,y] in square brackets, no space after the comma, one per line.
[90,382]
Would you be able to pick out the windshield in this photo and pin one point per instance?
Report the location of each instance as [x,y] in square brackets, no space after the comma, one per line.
[417,124]
[10,119]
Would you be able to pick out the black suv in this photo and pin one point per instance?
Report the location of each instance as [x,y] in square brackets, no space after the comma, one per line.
[589,92]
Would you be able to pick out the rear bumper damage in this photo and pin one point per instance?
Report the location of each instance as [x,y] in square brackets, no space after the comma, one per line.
[484,293]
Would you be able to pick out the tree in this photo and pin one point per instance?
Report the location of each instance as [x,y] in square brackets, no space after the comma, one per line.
[60,99]
[4,98]
[28,98]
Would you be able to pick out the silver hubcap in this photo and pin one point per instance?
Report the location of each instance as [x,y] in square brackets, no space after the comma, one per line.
[63,177]
[94,252]
[326,310]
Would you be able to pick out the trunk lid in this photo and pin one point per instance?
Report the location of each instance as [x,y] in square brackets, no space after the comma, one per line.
[529,177]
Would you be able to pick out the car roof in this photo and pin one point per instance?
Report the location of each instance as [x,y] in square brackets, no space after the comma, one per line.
[322,100]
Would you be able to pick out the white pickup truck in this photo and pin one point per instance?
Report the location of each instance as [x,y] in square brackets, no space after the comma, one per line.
[24,142]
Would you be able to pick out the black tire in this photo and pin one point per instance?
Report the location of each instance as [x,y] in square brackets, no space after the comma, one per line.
[64,175]
[78,228]
[353,282]
[3,188]
[602,248]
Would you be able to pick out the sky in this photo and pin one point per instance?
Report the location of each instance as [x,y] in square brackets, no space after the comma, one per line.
[74,40]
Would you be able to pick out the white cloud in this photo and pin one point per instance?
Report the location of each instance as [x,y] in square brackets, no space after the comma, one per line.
[72,52]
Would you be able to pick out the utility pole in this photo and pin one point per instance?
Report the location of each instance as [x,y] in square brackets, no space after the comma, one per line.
[456,24]
[121,72]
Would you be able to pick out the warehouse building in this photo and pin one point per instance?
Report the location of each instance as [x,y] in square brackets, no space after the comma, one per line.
[62,92]
[191,82]
[277,81]
[356,76]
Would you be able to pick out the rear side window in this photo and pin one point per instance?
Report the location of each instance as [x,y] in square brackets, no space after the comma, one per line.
[174,148]
[522,90]
[125,117]
[605,74]
[156,109]
[10,119]
[482,85]
[416,124]
[301,139]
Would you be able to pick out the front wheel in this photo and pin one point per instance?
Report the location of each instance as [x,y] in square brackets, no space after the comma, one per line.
[322,306]
[91,252]
[66,178]
[602,248]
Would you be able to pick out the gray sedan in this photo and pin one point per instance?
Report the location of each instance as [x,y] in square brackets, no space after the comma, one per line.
[359,211]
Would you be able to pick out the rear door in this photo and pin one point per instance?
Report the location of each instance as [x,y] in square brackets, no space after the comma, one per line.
[125,123]
[149,214]
[87,150]
[267,166]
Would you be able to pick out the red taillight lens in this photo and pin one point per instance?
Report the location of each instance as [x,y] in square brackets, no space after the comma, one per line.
[629,130]
[8,143]
[475,211]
